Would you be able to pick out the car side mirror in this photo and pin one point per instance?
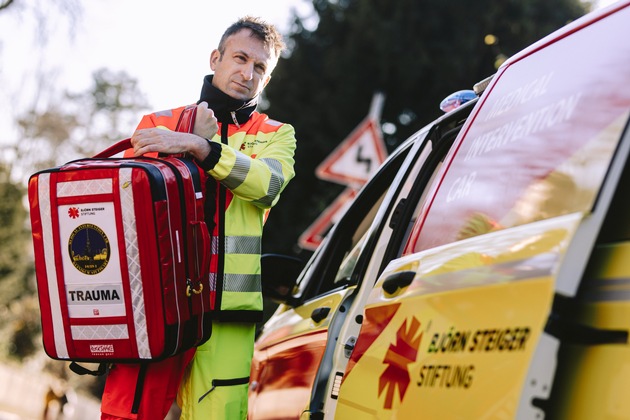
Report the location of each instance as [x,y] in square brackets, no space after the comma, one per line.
[279,275]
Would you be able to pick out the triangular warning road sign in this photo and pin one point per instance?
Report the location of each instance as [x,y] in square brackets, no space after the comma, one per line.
[315,233]
[357,158]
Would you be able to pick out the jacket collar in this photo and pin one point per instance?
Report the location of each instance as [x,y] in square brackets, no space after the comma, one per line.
[224,105]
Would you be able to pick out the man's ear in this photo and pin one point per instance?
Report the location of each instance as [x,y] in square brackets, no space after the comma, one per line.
[267,79]
[214,57]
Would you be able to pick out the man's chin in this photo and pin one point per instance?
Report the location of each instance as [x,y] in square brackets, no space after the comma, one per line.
[239,95]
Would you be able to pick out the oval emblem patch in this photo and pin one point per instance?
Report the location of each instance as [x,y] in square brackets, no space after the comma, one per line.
[89,249]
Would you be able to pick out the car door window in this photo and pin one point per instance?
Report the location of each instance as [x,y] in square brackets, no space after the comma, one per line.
[420,181]
[331,265]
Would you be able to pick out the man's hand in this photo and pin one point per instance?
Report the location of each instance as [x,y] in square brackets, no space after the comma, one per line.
[161,140]
[205,122]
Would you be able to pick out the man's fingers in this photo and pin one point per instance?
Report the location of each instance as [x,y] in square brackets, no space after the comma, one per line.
[143,140]
[204,111]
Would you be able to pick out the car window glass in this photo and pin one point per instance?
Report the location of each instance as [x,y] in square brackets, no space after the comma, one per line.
[335,259]
[539,156]
[420,181]
[350,260]
[347,266]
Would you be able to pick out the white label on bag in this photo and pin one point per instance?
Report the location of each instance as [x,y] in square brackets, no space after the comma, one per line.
[91,261]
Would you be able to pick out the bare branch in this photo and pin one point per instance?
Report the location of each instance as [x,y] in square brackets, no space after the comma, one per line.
[5,3]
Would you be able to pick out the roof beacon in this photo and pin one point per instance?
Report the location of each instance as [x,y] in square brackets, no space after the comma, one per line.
[455,100]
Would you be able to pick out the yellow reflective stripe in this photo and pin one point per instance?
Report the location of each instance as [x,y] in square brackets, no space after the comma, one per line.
[242,301]
[242,263]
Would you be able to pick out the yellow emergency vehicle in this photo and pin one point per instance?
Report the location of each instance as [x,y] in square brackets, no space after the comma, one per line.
[484,271]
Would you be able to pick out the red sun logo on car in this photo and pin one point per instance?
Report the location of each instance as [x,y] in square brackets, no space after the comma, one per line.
[398,356]
[73,212]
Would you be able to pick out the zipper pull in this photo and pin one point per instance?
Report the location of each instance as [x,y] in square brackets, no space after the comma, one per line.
[234,119]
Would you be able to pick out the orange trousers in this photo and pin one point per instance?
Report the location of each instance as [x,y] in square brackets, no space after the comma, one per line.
[160,385]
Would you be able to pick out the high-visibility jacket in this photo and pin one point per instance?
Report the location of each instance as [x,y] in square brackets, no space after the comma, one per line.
[252,169]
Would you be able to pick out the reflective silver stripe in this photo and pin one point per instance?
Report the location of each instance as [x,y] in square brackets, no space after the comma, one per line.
[164,113]
[214,245]
[100,332]
[242,283]
[238,173]
[133,264]
[85,187]
[213,281]
[59,335]
[238,245]
[275,183]
[245,245]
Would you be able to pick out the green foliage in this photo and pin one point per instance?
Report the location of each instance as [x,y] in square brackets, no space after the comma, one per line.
[79,124]
[19,315]
[415,51]
[14,260]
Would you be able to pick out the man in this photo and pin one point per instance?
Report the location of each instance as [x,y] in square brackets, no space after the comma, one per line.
[251,158]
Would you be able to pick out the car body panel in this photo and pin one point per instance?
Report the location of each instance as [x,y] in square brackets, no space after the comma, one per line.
[287,356]
[467,324]
[592,381]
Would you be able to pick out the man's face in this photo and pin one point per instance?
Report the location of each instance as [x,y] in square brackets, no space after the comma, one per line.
[244,68]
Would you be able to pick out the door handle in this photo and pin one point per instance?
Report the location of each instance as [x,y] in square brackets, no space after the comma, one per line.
[320,313]
[398,281]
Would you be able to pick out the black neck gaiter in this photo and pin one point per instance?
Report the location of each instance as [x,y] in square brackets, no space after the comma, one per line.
[223,104]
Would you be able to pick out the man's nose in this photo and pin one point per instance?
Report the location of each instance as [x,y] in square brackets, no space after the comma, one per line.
[247,71]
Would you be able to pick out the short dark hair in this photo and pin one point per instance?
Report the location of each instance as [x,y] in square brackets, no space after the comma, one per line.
[266,32]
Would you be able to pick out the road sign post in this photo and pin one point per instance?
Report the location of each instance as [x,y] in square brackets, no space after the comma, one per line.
[352,163]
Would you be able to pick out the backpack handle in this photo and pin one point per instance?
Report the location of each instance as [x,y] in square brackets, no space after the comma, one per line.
[115,148]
